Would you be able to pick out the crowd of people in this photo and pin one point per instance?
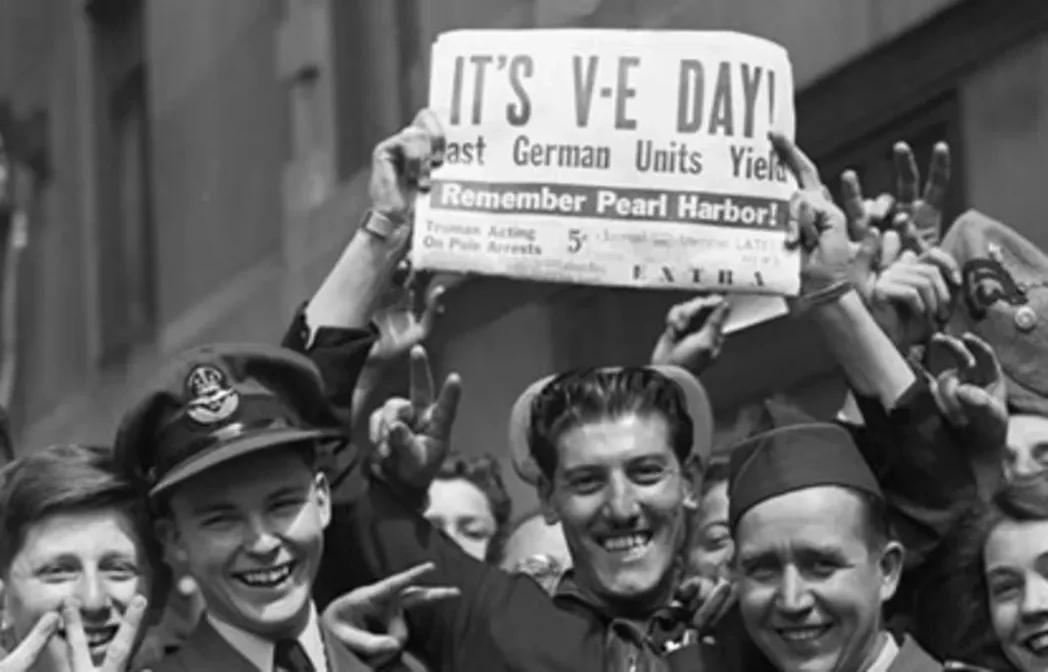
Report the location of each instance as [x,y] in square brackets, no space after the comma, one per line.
[234,524]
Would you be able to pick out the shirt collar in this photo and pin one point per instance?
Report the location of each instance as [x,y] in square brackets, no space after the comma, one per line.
[259,651]
[887,656]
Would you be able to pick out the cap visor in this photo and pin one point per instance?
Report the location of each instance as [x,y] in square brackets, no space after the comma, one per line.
[239,447]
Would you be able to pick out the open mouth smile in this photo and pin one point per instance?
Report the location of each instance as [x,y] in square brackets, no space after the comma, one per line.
[627,546]
[269,578]
[98,638]
[1037,643]
[803,635]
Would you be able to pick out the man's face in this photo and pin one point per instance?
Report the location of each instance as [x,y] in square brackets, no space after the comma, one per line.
[810,586]
[250,532]
[1016,562]
[618,493]
[93,556]
[1027,450]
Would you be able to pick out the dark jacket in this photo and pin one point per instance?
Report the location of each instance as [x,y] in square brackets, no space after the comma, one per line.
[504,622]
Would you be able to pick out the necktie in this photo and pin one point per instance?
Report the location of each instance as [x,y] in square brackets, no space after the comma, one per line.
[289,656]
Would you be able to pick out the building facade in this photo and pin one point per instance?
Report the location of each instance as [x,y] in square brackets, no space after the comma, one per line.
[208,161]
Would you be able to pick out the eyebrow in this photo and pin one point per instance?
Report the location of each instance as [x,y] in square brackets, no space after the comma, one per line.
[288,491]
[212,507]
[804,553]
[1000,571]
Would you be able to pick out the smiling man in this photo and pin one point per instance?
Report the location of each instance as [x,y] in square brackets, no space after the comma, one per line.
[610,451]
[814,555]
[228,439]
[615,450]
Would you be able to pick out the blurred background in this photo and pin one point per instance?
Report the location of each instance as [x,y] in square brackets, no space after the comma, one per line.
[190,170]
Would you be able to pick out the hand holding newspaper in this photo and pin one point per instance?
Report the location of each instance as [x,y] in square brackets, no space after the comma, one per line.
[615,158]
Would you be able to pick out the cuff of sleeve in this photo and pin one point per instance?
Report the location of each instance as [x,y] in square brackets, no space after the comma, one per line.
[916,402]
[310,338]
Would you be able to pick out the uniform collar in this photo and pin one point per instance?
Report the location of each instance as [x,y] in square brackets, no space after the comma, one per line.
[259,651]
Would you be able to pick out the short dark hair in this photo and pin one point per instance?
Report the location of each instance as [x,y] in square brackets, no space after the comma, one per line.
[486,474]
[577,397]
[69,478]
[717,473]
[876,518]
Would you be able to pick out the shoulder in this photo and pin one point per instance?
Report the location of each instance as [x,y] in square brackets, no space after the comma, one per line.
[173,663]
[188,658]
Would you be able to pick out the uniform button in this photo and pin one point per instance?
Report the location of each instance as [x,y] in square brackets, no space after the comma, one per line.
[1025,318]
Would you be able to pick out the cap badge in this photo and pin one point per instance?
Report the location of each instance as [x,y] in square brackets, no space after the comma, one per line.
[211,399]
[987,281]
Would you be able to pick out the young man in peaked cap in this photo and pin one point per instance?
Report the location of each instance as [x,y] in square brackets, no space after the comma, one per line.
[814,557]
[229,440]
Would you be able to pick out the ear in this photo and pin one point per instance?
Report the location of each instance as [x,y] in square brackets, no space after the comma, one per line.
[322,498]
[692,473]
[891,561]
[544,488]
[171,537]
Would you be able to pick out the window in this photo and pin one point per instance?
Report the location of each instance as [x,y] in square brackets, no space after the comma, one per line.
[127,303]
[375,45]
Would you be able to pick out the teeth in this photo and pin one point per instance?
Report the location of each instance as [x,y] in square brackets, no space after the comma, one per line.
[267,577]
[802,634]
[98,637]
[1038,643]
[626,542]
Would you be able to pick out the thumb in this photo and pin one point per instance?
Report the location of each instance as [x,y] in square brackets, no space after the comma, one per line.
[866,256]
[433,308]
[366,644]
[401,442]
[719,316]
[975,400]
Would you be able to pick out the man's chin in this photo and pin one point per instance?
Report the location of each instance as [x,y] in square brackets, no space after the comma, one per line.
[288,613]
[633,587]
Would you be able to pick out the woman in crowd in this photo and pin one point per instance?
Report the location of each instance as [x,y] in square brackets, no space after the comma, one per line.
[991,609]
[711,548]
[469,503]
[75,538]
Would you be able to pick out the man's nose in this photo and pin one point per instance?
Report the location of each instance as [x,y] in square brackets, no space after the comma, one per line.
[93,596]
[261,537]
[794,597]
[1034,606]
[622,504]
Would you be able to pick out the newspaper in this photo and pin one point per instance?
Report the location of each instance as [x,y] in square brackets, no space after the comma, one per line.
[611,157]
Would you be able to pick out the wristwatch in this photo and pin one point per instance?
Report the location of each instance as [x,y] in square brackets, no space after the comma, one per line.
[378,224]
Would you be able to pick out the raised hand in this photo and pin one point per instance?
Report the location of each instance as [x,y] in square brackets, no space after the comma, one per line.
[694,333]
[401,327]
[370,620]
[414,435]
[401,168]
[863,214]
[909,294]
[969,386]
[921,212]
[120,649]
[708,599]
[817,226]
[25,655]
